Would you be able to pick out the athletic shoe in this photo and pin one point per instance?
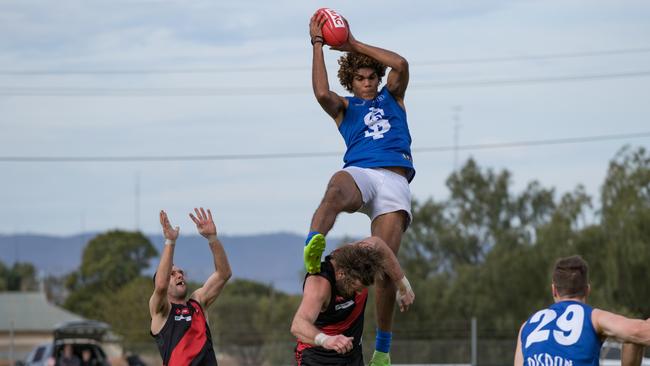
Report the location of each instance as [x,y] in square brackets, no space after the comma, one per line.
[313,252]
[380,359]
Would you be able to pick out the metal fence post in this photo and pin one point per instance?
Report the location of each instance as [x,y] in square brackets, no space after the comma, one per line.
[474,342]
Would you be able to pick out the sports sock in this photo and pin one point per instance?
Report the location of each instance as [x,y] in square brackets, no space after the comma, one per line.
[310,235]
[382,341]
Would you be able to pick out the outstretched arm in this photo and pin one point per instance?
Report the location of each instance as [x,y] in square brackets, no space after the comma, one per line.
[398,77]
[212,287]
[624,329]
[331,102]
[158,304]
[391,267]
[316,295]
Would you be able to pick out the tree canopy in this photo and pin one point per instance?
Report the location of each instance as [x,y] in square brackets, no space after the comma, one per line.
[485,251]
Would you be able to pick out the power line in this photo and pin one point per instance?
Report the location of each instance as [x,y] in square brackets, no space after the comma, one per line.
[213,70]
[287,90]
[539,80]
[270,156]
[559,141]
[547,56]
[146,92]
[207,70]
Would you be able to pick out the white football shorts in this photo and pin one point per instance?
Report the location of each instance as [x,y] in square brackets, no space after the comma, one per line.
[382,191]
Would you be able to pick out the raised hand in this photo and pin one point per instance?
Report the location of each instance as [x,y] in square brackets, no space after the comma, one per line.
[169,232]
[348,46]
[316,24]
[204,223]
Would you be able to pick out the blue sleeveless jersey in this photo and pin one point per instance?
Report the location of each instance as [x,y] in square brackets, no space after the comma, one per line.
[561,335]
[376,133]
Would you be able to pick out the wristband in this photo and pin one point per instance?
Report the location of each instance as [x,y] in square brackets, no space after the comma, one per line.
[320,339]
[212,237]
[317,39]
[170,242]
[404,283]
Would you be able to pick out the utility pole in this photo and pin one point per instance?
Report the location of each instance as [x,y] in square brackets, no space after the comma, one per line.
[456,118]
[137,201]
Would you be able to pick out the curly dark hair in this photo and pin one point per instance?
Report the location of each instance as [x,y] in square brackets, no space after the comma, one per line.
[351,62]
[358,262]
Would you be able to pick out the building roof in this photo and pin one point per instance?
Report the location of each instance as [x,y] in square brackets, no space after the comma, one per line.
[30,311]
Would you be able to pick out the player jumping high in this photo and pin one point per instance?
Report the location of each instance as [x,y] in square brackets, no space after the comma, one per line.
[378,164]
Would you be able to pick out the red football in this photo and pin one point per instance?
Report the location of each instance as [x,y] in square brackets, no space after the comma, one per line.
[335,31]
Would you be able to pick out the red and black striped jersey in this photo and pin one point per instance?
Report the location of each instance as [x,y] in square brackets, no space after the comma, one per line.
[342,316]
[185,338]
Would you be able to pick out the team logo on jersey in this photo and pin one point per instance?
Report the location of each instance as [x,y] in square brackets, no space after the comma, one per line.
[344,305]
[179,318]
[377,124]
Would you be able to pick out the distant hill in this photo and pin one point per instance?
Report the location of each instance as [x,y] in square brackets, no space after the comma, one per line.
[270,258]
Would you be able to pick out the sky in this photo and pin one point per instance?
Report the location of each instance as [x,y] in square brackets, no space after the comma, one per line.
[149,78]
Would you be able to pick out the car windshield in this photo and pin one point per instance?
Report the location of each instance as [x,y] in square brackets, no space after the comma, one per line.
[92,351]
[38,355]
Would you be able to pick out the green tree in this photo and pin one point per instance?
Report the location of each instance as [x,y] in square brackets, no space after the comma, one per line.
[625,212]
[250,321]
[113,259]
[127,311]
[3,276]
[109,261]
[21,276]
[486,248]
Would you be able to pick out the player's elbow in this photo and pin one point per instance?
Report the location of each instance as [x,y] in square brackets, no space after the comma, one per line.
[298,328]
[225,275]
[322,95]
[641,333]
[402,65]
[376,242]
[160,289]
[294,328]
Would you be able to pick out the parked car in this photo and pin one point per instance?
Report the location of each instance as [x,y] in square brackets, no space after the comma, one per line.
[610,355]
[82,335]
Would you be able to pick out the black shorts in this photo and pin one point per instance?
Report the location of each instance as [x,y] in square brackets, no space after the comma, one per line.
[312,357]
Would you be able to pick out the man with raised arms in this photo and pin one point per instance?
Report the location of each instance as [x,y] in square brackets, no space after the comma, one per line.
[178,324]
